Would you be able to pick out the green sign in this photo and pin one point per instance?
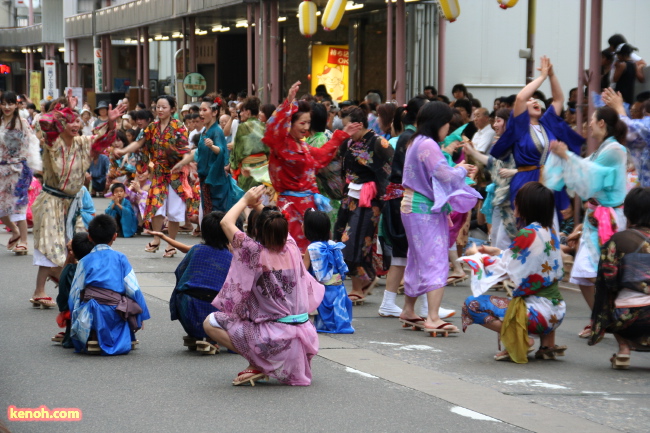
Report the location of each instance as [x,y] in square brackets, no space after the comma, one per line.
[194,84]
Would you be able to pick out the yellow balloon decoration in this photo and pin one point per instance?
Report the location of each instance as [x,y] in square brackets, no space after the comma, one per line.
[307,21]
[450,9]
[505,4]
[333,14]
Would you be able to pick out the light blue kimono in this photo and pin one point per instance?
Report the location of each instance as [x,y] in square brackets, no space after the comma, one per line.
[106,269]
[125,217]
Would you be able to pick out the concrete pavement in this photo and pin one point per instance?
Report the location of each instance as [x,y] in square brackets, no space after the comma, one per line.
[382,378]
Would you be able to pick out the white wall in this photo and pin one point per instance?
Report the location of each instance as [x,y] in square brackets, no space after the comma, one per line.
[483,44]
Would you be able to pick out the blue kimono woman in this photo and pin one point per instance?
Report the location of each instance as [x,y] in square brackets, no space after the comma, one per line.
[529,134]
[329,269]
[218,189]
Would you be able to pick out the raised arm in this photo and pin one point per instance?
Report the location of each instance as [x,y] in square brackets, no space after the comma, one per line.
[556,90]
[278,125]
[527,92]
[253,197]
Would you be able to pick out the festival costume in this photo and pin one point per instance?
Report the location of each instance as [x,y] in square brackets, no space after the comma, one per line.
[293,166]
[165,149]
[63,176]
[329,179]
[432,189]
[248,152]
[219,191]
[638,144]
[366,164]
[329,268]
[19,158]
[534,263]
[622,302]
[530,152]
[199,278]
[263,306]
[601,179]
[105,297]
[127,221]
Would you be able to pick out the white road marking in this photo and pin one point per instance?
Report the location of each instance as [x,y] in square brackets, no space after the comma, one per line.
[352,370]
[535,383]
[471,414]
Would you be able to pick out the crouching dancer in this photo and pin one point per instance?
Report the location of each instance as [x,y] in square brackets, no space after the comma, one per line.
[105,299]
[265,301]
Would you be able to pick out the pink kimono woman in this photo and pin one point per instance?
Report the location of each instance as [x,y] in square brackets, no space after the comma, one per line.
[262,305]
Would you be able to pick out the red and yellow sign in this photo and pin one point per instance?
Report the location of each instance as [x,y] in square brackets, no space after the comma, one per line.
[330,67]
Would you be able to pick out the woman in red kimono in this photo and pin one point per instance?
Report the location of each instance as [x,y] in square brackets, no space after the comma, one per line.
[293,163]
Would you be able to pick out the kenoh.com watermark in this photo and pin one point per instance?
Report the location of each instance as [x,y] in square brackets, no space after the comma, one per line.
[43,413]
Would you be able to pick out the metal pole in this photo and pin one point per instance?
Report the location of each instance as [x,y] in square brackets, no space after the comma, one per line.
[250,61]
[400,52]
[581,66]
[264,23]
[216,63]
[74,71]
[389,50]
[108,78]
[530,41]
[275,54]
[258,43]
[184,53]
[27,72]
[30,18]
[145,66]
[138,64]
[594,62]
[192,32]
[442,52]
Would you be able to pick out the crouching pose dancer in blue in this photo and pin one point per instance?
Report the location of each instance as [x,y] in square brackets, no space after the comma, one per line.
[324,259]
[105,299]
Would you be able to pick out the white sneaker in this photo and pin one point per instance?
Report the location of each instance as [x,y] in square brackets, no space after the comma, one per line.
[445,313]
[389,310]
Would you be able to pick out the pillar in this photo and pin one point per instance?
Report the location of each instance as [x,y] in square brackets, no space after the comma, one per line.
[389,50]
[145,66]
[594,62]
[276,88]
[400,52]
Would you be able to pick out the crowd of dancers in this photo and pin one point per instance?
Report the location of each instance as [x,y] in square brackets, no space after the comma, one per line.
[292,200]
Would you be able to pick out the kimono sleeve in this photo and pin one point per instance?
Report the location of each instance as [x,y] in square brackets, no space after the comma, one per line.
[34,160]
[104,138]
[324,155]
[515,128]
[638,132]
[562,130]
[278,126]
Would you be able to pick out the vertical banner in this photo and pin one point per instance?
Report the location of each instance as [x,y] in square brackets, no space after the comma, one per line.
[99,78]
[330,67]
[35,83]
[50,91]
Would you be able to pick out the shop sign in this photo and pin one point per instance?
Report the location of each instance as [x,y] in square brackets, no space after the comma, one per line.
[35,83]
[99,77]
[51,91]
[194,85]
[330,66]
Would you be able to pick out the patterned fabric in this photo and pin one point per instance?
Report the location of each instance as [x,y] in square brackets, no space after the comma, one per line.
[199,278]
[164,149]
[638,143]
[106,269]
[263,286]
[127,221]
[34,190]
[19,156]
[64,169]
[613,278]
[368,160]
[329,268]
[248,142]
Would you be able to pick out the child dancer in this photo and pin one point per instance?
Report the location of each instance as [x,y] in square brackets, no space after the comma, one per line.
[324,260]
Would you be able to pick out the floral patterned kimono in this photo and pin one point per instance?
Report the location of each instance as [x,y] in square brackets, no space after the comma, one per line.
[64,172]
[293,166]
[534,263]
[19,157]
[329,180]
[165,149]
[264,306]
[248,152]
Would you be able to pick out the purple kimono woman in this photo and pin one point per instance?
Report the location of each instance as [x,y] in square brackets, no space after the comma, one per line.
[265,301]
[431,186]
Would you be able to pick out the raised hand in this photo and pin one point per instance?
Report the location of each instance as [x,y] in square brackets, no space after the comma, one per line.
[254,195]
[352,128]
[559,148]
[293,91]
[545,66]
[118,112]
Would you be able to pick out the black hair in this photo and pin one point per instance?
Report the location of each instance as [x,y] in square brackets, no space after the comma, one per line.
[607,54]
[81,245]
[102,229]
[616,40]
[170,99]
[194,109]
[636,207]
[444,99]
[431,117]
[321,88]
[140,106]
[303,107]
[117,185]
[144,115]
[464,103]
[460,88]
[386,113]
[211,230]
[11,98]
[643,96]
[271,228]
[355,114]
[318,117]
[242,94]
[535,203]
[250,223]
[433,89]
[121,135]
[626,50]
[252,104]
[268,110]
[538,94]
[134,132]
[31,106]
[615,126]
[316,226]
[475,103]
[323,95]
[503,113]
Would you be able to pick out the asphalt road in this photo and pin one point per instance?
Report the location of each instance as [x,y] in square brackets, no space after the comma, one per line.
[383,378]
